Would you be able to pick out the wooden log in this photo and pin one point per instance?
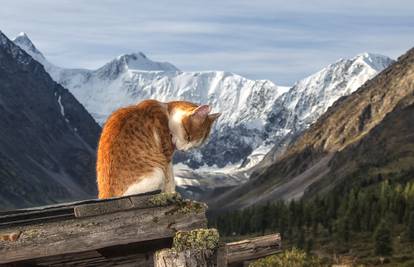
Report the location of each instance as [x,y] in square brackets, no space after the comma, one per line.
[254,248]
[160,217]
[197,248]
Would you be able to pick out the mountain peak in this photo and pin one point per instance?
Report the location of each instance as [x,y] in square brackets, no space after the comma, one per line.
[23,40]
[139,61]
[375,61]
[7,46]
[133,56]
[23,34]
[134,62]
[126,58]
[370,55]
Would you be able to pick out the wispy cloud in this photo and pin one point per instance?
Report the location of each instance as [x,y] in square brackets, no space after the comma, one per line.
[277,40]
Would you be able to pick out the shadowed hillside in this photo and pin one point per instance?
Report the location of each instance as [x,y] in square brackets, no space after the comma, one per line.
[47,138]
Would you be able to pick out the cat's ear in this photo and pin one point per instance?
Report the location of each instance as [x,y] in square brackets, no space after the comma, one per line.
[214,116]
[201,113]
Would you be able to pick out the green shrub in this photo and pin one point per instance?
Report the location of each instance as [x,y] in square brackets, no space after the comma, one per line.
[291,258]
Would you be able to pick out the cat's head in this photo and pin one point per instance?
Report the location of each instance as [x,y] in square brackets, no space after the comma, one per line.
[190,124]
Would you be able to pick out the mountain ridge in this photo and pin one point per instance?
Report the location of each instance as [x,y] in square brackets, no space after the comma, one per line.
[308,159]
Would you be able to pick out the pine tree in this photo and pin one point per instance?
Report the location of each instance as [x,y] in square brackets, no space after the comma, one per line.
[283,220]
[309,245]
[343,229]
[353,208]
[364,211]
[307,216]
[299,214]
[301,239]
[383,239]
[265,222]
[292,214]
[375,216]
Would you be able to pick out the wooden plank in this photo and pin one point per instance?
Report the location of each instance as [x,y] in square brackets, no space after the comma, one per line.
[54,206]
[125,255]
[27,219]
[259,247]
[121,204]
[92,233]
[67,210]
[95,209]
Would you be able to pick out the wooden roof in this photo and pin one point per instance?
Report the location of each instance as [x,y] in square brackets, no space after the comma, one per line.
[121,231]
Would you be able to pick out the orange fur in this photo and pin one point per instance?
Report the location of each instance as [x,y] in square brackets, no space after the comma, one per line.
[136,140]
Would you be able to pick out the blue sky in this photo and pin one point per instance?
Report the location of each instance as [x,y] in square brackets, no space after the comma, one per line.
[278,40]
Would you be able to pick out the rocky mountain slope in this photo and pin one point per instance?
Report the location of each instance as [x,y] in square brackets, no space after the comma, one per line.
[309,98]
[366,132]
[47,138]
[385,153]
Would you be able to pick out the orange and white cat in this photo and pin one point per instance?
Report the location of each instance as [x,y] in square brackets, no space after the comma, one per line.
[138,142]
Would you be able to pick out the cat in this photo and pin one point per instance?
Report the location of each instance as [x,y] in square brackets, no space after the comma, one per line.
[137,144]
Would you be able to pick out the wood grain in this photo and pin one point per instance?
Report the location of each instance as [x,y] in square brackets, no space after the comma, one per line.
[254,248]
[88,233]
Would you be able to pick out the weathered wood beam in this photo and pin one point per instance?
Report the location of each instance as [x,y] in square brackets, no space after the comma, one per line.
[254,248]
[61,211]
[104,224]
[125,203]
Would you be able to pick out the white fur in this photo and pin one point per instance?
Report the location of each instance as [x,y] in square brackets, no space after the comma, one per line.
[170,181]
[152,182]
[177,129]
[178,133]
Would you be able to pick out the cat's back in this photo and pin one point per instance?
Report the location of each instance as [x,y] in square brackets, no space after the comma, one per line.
[130,138]
[141,115]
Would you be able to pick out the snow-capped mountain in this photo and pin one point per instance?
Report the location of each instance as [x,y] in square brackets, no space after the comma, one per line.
[256,114]
[309,98]
[126,80]
[351,145]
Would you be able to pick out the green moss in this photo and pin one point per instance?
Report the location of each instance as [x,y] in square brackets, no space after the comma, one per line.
[188,206]
[164,199]
[196,239]
[182,206]
[30,234]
